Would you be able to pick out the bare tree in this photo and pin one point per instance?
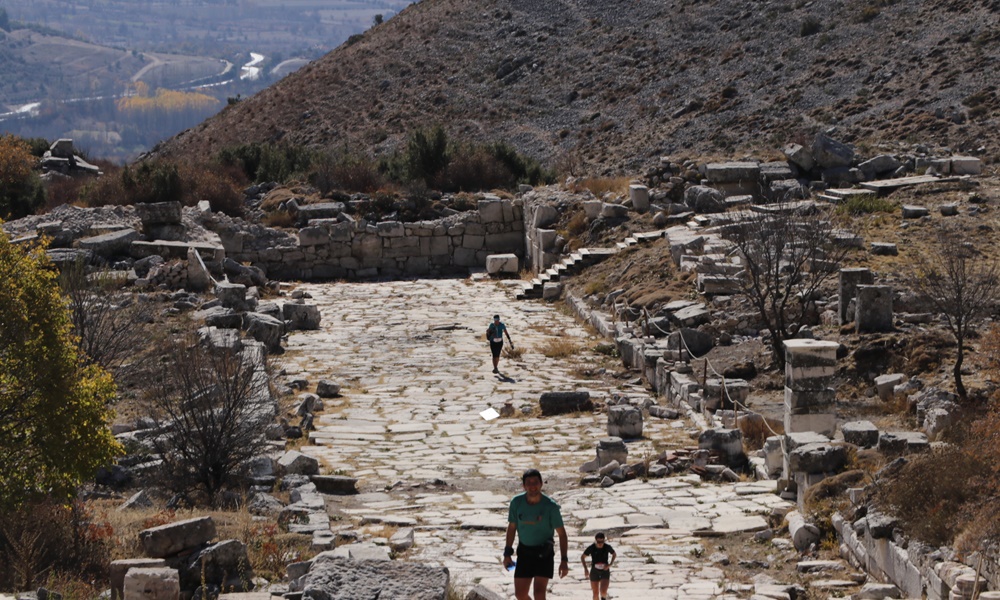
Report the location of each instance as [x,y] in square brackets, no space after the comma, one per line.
[960,284]
[108,323]
[213,407]
[789,251]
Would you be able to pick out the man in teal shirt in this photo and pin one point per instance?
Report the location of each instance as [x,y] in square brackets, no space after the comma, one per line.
[534,518]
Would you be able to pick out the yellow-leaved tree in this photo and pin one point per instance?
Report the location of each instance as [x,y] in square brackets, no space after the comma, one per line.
[54,408]
[21,190]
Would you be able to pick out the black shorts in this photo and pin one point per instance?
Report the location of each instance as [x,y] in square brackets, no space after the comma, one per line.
[496,347]
[599,574]
[534,561]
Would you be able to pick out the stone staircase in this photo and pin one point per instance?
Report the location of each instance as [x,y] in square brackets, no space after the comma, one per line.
[579,260]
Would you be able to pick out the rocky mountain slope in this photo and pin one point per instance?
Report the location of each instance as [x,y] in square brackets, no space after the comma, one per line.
[614,85]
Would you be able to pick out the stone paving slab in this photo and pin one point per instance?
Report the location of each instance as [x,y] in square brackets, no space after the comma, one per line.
[410,414]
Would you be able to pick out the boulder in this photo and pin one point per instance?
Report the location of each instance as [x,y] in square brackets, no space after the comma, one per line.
[296,463]
[704,199]
[265,329]
[831,154]
[224,564]
[231,295]
[326,388]
[639,195]
[120,567]
[338,578]
[481,592]
[172,538]
[698,342]
[799,156]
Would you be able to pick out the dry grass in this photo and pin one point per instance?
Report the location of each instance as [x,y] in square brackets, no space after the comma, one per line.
[603,185]
[559,348]
[512,353]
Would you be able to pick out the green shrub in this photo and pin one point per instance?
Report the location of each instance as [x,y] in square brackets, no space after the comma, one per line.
[810,26]
[152,182]
[267,162]
[426,154]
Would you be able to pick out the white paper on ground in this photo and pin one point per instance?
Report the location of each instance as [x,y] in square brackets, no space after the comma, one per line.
[489,414]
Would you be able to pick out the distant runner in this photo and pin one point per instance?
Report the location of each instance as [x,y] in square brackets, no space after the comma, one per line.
[602,556]
[495,333]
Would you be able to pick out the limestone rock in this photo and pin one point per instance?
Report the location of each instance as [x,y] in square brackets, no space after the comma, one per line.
[167,540]
[557,403]
[326,388]
[704,199]
[152,584]
[296,463]
[338,578]
[301,316]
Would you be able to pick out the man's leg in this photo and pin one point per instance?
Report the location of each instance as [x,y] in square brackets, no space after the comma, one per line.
[541,583]
[596,587]
[522,585]
[605,583]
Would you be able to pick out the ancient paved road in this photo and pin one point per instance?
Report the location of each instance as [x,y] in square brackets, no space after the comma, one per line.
[416,373]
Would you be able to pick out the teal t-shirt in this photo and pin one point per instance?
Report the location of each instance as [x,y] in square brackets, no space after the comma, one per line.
[536,523]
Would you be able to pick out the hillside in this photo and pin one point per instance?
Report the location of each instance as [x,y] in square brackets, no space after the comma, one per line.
[613,85]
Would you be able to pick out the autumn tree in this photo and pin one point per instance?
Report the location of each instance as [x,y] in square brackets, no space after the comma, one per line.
[959,283]
[53,408]
[21,191]
[789,250]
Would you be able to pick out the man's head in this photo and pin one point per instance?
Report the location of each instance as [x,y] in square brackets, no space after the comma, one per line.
[496,318]
[599,538]
[529,474]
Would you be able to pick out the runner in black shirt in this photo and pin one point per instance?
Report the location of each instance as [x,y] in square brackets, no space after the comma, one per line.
[602,555]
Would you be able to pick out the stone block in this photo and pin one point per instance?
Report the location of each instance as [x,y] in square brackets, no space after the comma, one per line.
[698,343]
[501,263]
[966,165]
[335,577]
[265,329]
[613,211]
[221,564]
[120,567]
[831,154]
[490,211]
[850,279]
[807,401]
[873,309]
[552,290]
[898,442]
[809,364]
[301,316]
[911,211]
[884,249]
[639,195]
[884,384]
[803,534]
[481,592]
[110,244]
[152,584]
[335,484]
[728,442]
[592,209]
[544,216]
[624,421]
[172,538]
[817,458]
[823,423]
[863,434]
[320,210]
[703,199]
[231,295]
[313,236]
[556,403]
[296,463]
[732,172]
[799,156]
[611,450]
[879,165]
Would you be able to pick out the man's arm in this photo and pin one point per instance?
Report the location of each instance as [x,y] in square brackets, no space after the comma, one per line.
[583,559]
[508,546]
[563,551]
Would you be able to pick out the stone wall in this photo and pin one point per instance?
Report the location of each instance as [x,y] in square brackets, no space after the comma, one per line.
[540,243]
[344,248]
